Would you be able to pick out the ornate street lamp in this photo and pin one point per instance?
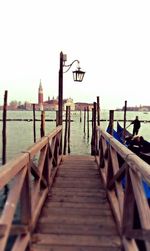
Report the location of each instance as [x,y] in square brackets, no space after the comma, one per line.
[78,76]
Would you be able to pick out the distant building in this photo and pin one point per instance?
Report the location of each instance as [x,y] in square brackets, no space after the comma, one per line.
[51,105]
[40,96]
[69,102]
[141,108]
[80,106]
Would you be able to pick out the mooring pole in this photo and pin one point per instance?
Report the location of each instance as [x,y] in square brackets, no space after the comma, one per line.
[111,121]
[124,124]
[98,112]
[34,126]
[93,141]
[80,115]
[4,140]
[4,129]
[88,122]
[60,91]
[84,120]
[42,123]
[69,117]
[66,130]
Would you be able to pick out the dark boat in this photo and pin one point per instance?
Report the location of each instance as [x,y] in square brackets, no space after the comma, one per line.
[142,151]
[136,144]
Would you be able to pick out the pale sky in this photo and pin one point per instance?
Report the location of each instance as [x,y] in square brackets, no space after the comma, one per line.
[111,38]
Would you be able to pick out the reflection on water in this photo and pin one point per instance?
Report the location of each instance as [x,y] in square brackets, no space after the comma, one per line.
[20,133]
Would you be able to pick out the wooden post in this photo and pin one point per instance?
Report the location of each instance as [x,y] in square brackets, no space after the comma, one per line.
[84,120]
[25,201]
[66,129]
[80,116]
[124,124]
[98,112]
[60,91]
[92,119]
[42,123]
[4,140]
[34,126]
[4,129]
[57,113]
[111,121]
[69,129]
[60,98]
[93,142]
[88,122]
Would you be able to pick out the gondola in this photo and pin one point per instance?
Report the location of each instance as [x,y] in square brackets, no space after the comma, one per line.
[142,151]
[136,144]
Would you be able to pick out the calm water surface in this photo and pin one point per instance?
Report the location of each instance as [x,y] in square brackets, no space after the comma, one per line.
[20,133]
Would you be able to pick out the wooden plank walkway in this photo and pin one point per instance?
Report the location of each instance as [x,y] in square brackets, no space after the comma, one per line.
[76,215]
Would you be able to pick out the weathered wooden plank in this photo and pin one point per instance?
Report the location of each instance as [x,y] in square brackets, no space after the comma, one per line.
[138,234]
[78,173]
[78,167]
[72,248]
[77,183]
[19,229]
[77,219]
[91,206]
[85,180]
[78,157]
[78,191]
[77,199]
[3,228]
[75,211]
[78,164]
[37,210]
[21,242]
[79,194]
[99,241]
[9,170]
[88,229]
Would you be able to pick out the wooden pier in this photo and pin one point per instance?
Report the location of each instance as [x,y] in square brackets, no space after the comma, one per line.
[75,203]
[76,214]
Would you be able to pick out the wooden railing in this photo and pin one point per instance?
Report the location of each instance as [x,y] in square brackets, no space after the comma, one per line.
[28,177]
[123,174]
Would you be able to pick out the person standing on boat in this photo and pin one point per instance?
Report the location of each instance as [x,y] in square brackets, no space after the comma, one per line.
[136,125]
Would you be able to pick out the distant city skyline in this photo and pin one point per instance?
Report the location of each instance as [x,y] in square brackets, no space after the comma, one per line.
[35,100]
[110,38]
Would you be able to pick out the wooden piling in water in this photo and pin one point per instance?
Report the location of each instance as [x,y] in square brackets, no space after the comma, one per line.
[34,125]
[4,129]
[80,116]
[84,125]
[42,123]
[66,129]
[124,124]
[57,118]
[69,129]
[111,121]
[4,140]
[98,111]
[93,140]
[88,122]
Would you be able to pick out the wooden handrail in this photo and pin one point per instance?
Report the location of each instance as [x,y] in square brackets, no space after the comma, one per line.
[29,177]
[123,174]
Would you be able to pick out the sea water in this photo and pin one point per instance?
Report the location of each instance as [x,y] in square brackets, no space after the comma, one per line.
[20,133]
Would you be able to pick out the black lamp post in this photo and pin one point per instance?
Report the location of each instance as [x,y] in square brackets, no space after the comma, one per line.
[77,76]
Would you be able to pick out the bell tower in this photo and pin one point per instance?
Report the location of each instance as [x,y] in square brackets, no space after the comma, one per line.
[40,94]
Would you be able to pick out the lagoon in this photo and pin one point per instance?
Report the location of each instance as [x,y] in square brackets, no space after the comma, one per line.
[20,133]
